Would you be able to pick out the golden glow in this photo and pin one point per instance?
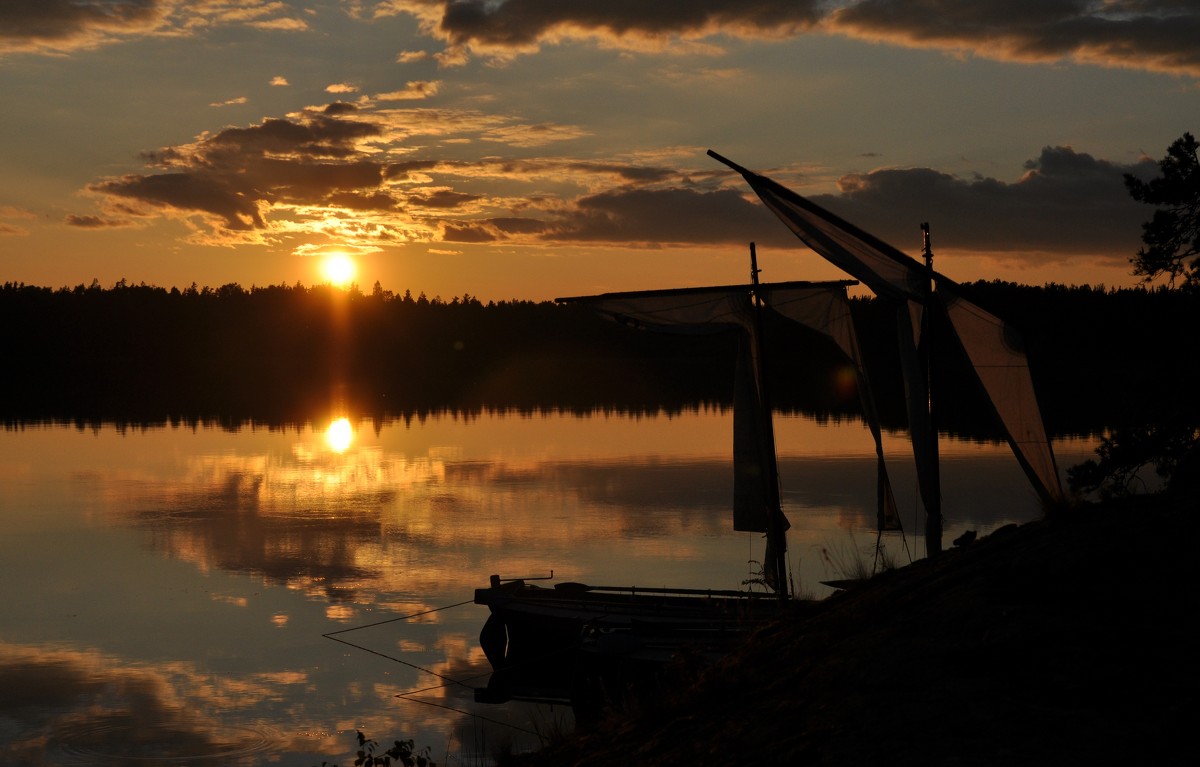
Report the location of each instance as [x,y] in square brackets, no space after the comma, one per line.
[339,435]
[339,269]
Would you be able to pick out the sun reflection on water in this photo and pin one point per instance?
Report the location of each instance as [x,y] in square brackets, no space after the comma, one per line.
[339,435]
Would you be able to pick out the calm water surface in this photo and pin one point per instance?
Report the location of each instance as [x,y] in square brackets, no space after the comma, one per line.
[166,592]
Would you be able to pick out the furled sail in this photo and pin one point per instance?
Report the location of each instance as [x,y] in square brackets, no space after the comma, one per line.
[998,361]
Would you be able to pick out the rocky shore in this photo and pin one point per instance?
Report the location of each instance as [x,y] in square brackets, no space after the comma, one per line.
[1064,641]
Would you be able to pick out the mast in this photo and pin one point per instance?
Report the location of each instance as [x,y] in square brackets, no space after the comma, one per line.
[933,506]
[775,564]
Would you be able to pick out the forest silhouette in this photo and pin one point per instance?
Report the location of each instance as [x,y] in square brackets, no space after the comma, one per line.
[140,355]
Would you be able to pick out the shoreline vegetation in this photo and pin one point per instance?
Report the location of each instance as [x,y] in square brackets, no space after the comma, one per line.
[139,355]
[1062,641]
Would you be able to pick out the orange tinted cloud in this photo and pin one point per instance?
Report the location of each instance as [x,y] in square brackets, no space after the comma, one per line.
[58,26]
[522,26]
[1157,35]
[1066,201]
[414,89]
[366,177]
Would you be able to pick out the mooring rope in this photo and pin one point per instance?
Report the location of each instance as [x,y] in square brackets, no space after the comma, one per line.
[334,636]
[401,618]
[448,682]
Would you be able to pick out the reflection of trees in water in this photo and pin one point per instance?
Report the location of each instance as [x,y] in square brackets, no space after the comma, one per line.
[140,355]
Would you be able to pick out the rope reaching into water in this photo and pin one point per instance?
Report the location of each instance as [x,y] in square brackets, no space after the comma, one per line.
[334,636]
[448,682]
[401,618]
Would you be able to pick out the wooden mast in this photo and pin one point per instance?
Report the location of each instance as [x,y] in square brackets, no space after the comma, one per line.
[775,566]
[933,506]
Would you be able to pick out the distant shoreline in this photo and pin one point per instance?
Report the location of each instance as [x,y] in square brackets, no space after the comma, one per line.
[284,355]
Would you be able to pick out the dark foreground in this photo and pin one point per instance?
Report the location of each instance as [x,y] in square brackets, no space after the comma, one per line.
[1065,641]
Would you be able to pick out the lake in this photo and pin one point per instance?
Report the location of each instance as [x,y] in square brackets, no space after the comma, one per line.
[167,591]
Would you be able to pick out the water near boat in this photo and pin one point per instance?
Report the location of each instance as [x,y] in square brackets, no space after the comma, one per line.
[167,591]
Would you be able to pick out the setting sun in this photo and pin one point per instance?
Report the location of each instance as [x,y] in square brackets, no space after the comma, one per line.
[339,269]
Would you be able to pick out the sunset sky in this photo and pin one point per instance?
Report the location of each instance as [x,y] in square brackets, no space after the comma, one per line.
[535,148]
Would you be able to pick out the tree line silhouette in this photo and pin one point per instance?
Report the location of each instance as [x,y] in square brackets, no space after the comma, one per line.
[140,354]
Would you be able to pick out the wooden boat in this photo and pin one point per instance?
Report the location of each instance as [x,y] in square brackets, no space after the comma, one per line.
[534,624]
[531,624]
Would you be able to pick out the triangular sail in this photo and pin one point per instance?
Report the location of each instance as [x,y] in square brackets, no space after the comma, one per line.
[1002,367]
[997,354]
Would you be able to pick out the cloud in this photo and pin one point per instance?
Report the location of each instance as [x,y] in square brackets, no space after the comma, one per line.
[93,222]
[12,212]
[230,102]
[98,704]
[58,25]
[534,135]
[652,217]
[279,81]
[1158,35]
[1066,202]
[365,176]
[502,29]
[414,89]
[63,26]
[341,88]
[334,172]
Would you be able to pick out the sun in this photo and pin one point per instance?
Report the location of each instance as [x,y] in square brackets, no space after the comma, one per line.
[339,269]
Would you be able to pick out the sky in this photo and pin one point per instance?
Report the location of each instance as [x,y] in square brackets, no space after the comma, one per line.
[537,148]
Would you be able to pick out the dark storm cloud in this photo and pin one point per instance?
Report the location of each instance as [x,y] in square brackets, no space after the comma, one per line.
[1067,202]
[1142,34]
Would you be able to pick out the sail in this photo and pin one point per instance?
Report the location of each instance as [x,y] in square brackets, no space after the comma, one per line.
[1000,366]
[681,310]
[882,268]
[828,312]
[708,310]
[997,354]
